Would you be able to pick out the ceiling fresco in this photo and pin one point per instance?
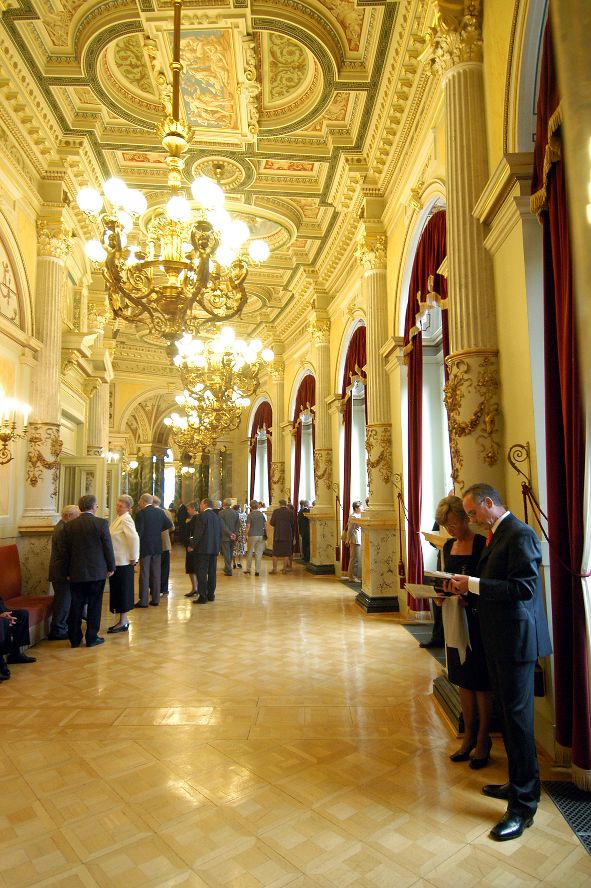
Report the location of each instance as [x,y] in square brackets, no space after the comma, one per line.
[308,105]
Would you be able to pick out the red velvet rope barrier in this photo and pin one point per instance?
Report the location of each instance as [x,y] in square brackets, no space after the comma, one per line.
[528,496]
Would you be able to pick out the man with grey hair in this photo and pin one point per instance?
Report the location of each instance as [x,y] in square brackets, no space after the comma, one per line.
[166,547]
[230,525]
[150,522]
[58,579]
[87,556]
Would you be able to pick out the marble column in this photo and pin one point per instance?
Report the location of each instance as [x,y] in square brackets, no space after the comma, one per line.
[44,444]
[97,434]
[454,51]
[379,584]
[215,479]
[277,380]
[322,519]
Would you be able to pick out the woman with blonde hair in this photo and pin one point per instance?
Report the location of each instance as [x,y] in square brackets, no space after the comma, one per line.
[466,663]
[126,546]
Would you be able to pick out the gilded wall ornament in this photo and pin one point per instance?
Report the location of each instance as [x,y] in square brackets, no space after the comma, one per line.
[323,469]
[484,416]
[319,330]
[371,252]
[278,476]
[378,444]
[37,462]
[52,241]
[454,38]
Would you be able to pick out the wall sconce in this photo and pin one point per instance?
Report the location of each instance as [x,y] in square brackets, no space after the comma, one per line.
[10,408]
[133,464]
[187,470]
[112,456]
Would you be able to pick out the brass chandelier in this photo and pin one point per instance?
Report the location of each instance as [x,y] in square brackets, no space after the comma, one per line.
[205,419]
[172,268]
[226,367]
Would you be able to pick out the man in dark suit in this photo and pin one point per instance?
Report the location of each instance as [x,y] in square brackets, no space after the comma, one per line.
[86,552]
[205,542]
[57,578]
[230,526]
[181,523]
[150,522]
[514,633]
[14,634]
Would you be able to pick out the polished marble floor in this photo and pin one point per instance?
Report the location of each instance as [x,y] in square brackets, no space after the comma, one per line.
[275,737]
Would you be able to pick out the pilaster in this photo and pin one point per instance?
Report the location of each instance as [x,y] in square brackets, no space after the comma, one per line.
[277,380]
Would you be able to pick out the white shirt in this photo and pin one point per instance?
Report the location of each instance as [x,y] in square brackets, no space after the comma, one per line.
[126,542]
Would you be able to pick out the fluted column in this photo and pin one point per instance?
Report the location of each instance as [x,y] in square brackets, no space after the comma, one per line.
[371,253]
[323,539]
[379,583]
[278,475]
[471,394]
[96,431]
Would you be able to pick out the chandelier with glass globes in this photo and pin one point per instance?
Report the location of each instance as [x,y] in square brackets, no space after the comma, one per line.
[176,266]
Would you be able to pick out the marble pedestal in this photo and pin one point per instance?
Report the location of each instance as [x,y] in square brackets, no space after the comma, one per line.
[379,583]
[322,542]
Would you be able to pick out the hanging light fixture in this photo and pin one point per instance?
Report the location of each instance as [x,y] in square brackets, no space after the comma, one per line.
[189,261]
[225,366]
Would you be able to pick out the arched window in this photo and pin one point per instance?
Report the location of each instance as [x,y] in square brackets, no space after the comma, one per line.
[354,395]
[261,453]
[304,438]
[426,322]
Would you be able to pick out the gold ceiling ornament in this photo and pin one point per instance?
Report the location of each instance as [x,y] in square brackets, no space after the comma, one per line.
[187,262]
[226,367]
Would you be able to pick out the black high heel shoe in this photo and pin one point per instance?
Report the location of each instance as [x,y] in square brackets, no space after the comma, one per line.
[113,629]
[460,756]
[477,763]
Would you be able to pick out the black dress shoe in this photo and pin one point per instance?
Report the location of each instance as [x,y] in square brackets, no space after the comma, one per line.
[20,658]
[496,790]
[430,644]
[4,670]
[154,604]
[190,594]
[139,604]
[52,637]
[123,628]
[511,826]
[477,763]
[460,756]
[98,640]
[211,597]
[200,600]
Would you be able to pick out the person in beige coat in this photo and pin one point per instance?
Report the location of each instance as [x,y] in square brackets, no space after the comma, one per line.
[126,545]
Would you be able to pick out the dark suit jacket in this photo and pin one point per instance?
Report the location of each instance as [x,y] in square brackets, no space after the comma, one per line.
[56,572]
[230,522]
[85,549]
[150,522]
[207,533]
[510,606]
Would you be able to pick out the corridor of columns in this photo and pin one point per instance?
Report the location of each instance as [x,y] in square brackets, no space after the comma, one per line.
[278,736]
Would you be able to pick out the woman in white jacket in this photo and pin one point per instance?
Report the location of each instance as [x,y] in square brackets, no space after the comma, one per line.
[126,545]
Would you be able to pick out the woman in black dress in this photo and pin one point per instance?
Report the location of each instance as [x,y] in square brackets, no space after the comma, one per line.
[190,565]
[466,663]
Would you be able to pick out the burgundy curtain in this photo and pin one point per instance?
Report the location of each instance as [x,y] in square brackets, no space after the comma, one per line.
[263,416]
[431,252]
[565,440]
[306,396]
[356,358]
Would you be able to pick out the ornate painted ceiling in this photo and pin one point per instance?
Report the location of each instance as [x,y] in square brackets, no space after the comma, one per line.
[308,104]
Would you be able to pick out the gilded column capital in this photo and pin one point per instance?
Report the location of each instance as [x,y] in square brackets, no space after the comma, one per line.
[53,240]
[277,371]
[319,330]
[371,251]
[455,36]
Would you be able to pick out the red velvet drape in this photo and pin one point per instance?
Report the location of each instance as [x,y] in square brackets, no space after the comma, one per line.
[565,440]
[263,416]
[431,252]
[306,396]
[356,357]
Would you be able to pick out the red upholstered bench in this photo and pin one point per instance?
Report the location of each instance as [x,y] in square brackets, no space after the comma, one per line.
[39,606]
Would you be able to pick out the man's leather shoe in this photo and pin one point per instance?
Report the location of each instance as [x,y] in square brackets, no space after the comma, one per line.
[93,644]
[4,670]
[510,826]
[211,597]
[496,791]
[20,658]
[200,600]
[430,644]
[139,604]
[154,604]
[51,637]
